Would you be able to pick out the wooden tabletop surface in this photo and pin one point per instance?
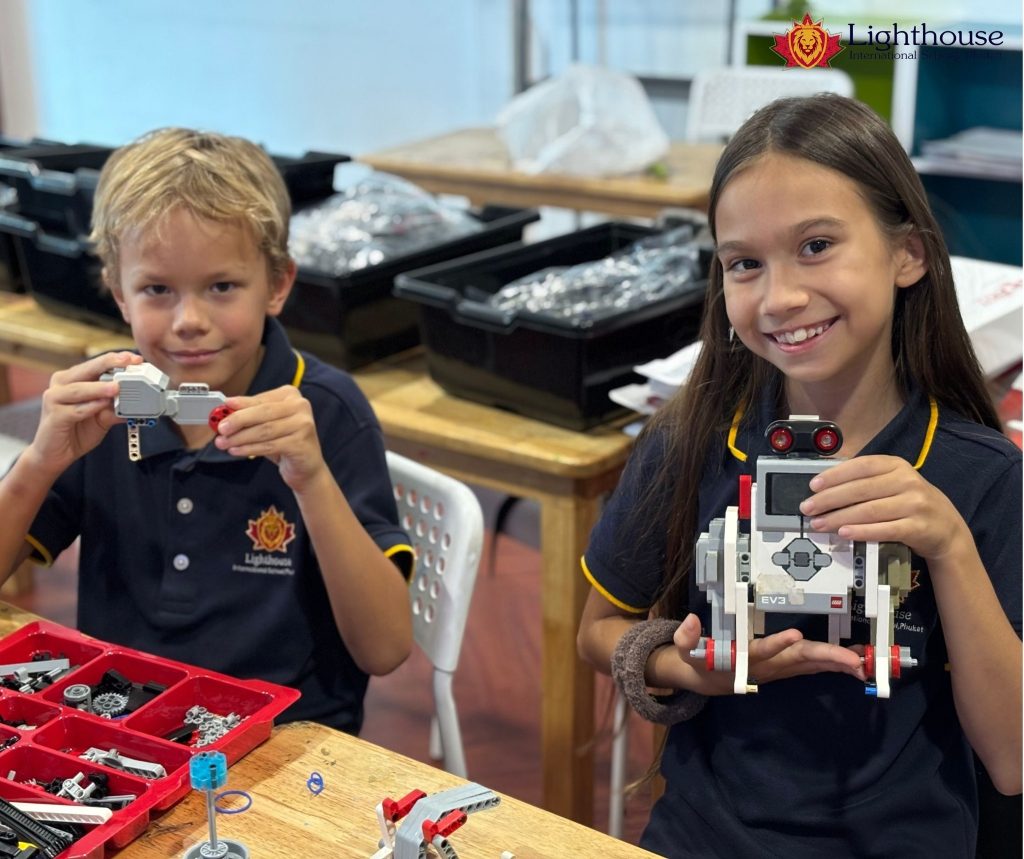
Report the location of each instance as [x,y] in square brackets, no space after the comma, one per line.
[287,819]
[474,162]
[31,337]
[412,407]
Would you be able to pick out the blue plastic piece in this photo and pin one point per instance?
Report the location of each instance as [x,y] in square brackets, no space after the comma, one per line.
[871,691]
[208,770]
[315,783]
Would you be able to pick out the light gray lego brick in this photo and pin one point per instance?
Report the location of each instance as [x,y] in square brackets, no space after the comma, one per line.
[136,398]
[196,408]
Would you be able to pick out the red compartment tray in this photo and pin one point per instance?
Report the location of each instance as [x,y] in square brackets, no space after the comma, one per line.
[49,736]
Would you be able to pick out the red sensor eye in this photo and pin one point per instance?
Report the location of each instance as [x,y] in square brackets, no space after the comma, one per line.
[781,440]
[826,439]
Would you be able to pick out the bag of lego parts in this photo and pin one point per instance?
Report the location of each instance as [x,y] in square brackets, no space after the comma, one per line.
[376,218]
[589,121]
[644,272]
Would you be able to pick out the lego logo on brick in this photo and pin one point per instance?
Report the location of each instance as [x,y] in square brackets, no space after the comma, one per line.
[836,602]
[271,532]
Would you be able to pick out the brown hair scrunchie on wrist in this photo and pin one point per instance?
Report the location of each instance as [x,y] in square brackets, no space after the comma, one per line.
[629,662]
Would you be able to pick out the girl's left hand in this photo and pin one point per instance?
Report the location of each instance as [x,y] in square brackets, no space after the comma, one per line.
[277,424]
[883,499]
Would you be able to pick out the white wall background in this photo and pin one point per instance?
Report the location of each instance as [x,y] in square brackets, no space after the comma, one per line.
[294,75]
[348,75]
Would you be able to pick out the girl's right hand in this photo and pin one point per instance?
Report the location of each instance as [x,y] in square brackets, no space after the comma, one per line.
[773,657]
[77,412]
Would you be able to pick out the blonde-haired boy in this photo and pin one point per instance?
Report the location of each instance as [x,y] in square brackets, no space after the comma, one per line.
[270,548]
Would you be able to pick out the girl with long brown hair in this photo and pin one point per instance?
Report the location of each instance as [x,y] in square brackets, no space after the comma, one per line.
[830,294]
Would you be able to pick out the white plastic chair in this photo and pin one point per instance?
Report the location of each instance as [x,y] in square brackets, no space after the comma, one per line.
[444,521]
[722,99]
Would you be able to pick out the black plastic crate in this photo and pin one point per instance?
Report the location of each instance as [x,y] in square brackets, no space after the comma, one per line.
[309,177]
[44,239]
[354,318]
[11,279]
[555,370]
[56,185]
[61,273]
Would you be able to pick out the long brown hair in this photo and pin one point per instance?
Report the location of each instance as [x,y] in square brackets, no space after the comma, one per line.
[930,346]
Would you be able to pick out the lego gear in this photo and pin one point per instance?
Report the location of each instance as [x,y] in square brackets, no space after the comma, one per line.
[109,704]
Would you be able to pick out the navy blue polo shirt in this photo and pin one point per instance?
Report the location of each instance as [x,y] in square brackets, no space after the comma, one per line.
[203,557]
[811,766]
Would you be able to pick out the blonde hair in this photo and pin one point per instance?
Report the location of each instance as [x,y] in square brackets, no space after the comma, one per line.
[213,176]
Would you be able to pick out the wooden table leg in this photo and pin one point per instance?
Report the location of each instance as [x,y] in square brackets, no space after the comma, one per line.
[567,706]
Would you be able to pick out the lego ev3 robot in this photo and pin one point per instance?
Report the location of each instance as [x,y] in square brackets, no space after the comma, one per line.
[782,566]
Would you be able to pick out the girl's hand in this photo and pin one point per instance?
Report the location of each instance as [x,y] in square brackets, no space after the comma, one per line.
[77,411]
[774,657]
[883,499]
[279,425]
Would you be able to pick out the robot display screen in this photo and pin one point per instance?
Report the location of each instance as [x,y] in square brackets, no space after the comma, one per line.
[785,492]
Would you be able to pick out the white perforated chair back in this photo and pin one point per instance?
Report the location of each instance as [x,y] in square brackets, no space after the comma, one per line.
[722,99]
[444,521]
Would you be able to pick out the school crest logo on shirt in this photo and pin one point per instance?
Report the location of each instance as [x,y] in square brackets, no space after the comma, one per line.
[807,44]
[271,532]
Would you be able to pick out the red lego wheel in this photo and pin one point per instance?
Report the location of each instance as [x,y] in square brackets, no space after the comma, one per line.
[217,415]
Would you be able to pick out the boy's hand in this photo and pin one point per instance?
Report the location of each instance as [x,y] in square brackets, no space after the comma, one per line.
[77,411]
[883,499]
[279,425]
[773,657]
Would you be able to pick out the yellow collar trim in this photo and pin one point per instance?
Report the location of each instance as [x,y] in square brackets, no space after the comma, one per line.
[300,368]
[929,436]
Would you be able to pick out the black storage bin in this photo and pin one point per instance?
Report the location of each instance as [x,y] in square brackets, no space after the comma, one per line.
[352,319]
[45,236]
[552,369]
[11,279]
[55,183]
[61,273]
[310,177]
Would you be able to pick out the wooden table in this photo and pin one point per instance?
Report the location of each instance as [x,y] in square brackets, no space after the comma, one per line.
[286,819]
[473,162]
[31,337]
[567,473]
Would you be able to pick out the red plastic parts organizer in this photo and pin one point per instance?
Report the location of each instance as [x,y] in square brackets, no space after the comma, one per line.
[50,748]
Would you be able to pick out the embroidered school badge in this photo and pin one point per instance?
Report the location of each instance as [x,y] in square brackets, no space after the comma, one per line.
[807,44]
[271,532]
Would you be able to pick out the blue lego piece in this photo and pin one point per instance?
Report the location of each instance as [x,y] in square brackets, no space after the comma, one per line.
[208,770]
